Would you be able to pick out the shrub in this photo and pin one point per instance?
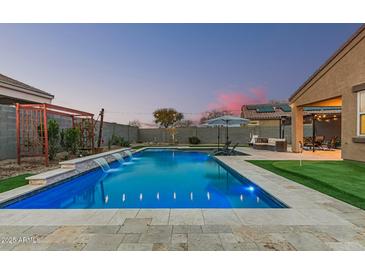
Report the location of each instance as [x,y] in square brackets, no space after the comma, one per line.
[62,139]
[72,140]
[53,139]
[194,140]
[124,143]
[118,141]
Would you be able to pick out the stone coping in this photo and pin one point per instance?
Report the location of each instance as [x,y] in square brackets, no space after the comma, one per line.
[17,192]
[47,174]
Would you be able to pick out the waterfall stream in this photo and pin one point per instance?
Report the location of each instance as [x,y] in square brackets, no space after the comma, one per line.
[103,164]
[119,158]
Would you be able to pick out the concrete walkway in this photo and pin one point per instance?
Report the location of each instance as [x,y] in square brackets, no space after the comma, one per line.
[314,221]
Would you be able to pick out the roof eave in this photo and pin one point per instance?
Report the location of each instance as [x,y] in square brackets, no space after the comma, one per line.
[326,63]
[29,91]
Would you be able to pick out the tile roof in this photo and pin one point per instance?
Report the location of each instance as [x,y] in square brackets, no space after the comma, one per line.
[254,112]
[10,81]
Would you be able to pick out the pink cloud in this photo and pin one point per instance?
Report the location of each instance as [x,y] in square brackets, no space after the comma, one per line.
[233,101]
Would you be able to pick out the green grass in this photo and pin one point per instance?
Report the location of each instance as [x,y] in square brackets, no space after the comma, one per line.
[344,180]
[13,182]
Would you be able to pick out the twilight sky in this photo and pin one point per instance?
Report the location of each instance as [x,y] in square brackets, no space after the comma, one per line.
[132,69]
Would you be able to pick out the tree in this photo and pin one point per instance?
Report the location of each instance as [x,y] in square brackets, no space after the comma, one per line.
[184,123]
[213,114]
[167,117]
[135,123]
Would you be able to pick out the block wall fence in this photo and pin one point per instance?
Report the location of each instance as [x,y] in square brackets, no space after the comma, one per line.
[134,135]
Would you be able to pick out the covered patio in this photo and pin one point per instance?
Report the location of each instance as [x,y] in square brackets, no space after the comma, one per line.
[317,141]
[339,82]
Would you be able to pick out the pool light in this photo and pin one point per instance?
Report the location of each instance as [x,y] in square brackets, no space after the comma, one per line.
[251,188]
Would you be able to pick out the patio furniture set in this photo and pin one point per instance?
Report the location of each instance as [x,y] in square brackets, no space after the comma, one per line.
[272,144]
[320,143]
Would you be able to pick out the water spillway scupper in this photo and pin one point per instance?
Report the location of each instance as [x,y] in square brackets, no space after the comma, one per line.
[103,164]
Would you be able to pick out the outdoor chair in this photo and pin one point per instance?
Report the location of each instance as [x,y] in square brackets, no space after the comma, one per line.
[318,141]
[307,142]
[232,150]
[330,144]
[253,140]
[224,150]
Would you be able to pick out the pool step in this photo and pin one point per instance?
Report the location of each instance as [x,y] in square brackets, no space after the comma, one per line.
[51,176]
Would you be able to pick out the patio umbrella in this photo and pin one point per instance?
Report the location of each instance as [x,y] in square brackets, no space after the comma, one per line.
[227,121]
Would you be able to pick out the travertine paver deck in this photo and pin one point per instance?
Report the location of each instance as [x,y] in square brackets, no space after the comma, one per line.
[306,155]
[314,221]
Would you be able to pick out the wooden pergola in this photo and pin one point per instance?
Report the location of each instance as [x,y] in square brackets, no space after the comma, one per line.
[32,131]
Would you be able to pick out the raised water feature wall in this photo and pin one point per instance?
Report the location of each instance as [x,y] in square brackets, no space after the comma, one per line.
[75,167]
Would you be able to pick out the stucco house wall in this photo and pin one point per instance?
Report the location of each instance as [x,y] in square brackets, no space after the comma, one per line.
[336,79]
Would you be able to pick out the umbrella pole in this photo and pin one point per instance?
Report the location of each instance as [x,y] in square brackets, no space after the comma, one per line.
[218,136]
[227,132]
[313,132]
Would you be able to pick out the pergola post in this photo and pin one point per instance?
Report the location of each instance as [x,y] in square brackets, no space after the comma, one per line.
[45,134]
[297,128]
[32,128]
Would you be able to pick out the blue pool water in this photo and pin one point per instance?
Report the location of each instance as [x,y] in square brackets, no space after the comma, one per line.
[156,178]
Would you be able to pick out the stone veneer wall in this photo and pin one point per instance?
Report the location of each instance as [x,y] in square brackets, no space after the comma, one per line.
[80,166]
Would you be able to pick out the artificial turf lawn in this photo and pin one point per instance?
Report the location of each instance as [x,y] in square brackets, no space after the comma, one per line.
[344,180]
[13,182]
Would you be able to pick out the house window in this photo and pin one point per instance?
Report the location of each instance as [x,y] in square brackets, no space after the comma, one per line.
[361,113]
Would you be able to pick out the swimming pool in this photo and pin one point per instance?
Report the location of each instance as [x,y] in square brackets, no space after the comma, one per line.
[155,178]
